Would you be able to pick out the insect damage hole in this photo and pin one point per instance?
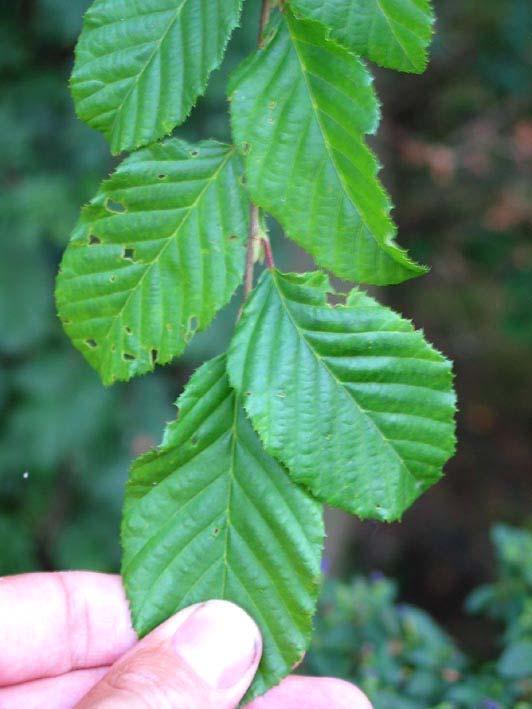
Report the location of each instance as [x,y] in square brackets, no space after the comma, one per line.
[128,357]
[91,343]
[114,206]
[154,356]
[93,240]
[192,326]
[128,253]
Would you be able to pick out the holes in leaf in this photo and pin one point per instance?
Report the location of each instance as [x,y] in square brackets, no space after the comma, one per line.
[91,343]
[194,441]
[93,240]
[128,253]
[128,357]
[246,147]
[154,356]
[194,153]
[128,330]
[162,177]
[233,237]
[193,323]
[112,278]
[112,205]
[192,326]
[215,531]
[243,180]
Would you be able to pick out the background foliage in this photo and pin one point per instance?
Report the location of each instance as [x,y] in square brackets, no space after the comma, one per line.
[403,659]
[457,145]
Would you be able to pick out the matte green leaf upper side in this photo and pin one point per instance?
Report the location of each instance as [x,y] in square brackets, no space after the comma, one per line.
[210,514]
[154,256]
[300,109]
[140,66]
[392,33]
[352,399]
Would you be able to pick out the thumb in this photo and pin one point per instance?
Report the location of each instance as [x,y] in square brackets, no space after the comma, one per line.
[204,656]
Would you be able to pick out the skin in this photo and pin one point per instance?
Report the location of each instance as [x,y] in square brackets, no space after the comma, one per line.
[67,641]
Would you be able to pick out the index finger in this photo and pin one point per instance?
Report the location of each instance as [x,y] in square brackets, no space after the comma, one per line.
[52,623]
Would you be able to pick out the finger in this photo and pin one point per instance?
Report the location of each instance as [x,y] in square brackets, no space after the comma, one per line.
[62,692]
[51,624]
[312,693]
[205,656]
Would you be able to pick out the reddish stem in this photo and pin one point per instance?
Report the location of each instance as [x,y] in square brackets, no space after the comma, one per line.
[268,253]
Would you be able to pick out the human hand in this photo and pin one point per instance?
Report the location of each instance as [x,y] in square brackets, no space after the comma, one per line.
[67,641]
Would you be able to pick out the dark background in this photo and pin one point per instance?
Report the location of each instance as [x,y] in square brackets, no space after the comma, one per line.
[456,144]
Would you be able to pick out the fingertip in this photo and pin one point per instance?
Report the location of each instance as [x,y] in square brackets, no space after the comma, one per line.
[205,655]
[220,642]
[318,692]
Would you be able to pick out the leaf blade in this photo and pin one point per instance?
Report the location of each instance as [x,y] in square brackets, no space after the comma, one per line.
[138,74]
[351,399]
[211,493]
[300,109]
[393,33]
[155,255]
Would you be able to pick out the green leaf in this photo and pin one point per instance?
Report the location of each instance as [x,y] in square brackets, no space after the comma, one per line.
[351,399]
[516,660]
[300,109]
[210,515]
[140,66]
[392,33]
[154,256]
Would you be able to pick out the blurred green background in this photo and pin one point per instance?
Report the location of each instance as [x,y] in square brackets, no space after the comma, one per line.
[456,144]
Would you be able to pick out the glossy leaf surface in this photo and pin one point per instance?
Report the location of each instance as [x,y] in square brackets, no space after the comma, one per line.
[392,33]
[141,64]
[210,514]
[353,400]
[300,110]
[154,256]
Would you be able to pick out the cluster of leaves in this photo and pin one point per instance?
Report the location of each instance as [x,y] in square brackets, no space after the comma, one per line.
[61,495]
[403,660]
[346,405]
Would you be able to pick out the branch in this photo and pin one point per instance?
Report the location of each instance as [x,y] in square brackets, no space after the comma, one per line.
[254,236]
[264,17]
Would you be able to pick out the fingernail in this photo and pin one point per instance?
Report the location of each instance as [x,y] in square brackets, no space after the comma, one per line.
[219,642]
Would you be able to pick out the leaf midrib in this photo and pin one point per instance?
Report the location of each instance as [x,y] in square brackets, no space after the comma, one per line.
[392,30]
[231,474]
[209,181]
[226,512]
[316,111]
[135,82]
[321,361]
